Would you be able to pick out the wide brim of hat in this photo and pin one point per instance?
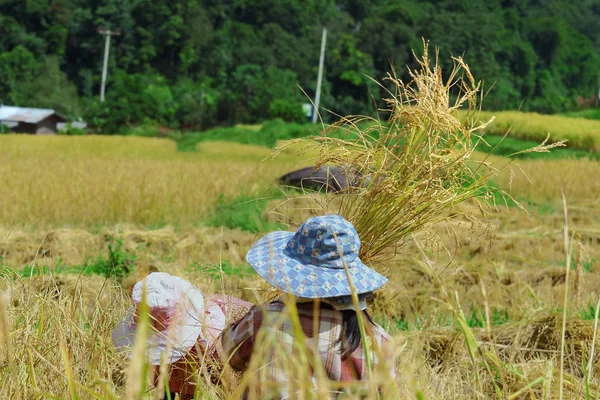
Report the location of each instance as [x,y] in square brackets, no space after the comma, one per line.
[176,341]
[268,259]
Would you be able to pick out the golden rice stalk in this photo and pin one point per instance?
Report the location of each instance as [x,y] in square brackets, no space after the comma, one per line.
[137,371]
[408,172]
[5,342]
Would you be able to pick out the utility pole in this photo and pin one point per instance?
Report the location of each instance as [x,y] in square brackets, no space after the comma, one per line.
[108,33]
[598,93]
[320,77]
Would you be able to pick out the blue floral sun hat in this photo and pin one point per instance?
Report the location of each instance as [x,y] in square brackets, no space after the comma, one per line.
[308,263]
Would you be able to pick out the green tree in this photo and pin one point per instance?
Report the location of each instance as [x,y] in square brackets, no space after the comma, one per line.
[17,67]
[196,64]
[52,89]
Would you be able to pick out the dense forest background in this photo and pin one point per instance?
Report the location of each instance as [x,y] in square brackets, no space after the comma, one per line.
[200,63]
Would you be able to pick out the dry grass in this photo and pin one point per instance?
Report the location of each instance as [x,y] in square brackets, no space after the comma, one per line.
[151,247]
[518,269]
[434,360]
[41,318]
[520,273]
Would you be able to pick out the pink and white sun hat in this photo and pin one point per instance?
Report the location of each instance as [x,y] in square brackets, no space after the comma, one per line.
[178,314]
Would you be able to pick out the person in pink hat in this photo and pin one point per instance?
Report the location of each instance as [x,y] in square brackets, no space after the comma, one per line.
[185,327]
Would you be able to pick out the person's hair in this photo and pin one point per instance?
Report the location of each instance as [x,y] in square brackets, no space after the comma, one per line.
[350,337]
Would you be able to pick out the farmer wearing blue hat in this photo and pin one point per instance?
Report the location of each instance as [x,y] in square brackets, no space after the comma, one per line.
[313,266]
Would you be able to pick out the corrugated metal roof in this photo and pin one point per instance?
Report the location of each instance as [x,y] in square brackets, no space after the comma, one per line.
[27,115]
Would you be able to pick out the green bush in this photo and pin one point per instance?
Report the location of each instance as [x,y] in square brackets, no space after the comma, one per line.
[277,129]
[148,129]
[71,130]
[270,133]
[119,262]
[243,212]
[290,111]
[133,99]
[7,272]
[189,141]
[592,113]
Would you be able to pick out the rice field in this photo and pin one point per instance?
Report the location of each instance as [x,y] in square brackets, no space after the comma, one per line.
[482,318]
[95,181]
[581,133]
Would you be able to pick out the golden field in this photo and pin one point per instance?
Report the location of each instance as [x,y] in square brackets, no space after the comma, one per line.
[580,132]
[480,320]
[95,181]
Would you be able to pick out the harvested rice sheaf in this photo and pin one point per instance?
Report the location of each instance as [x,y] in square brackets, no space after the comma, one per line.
[518,342]
[414,169]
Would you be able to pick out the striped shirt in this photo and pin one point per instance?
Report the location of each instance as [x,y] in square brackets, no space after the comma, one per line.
[277,351]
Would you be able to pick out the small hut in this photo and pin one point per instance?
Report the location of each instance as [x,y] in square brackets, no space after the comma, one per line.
[37,121]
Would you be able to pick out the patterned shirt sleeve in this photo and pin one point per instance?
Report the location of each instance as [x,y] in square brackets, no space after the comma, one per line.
[239,338]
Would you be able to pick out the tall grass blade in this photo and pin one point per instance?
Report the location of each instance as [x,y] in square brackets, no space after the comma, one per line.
[567,246]
[68,369]
[31,371]
[526,388]
[137,371]
[591,360]
[6,352]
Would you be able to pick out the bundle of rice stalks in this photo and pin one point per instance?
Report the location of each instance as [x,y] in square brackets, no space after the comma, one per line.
[519,342]
[90,291]
[519,358]
[408,172]
[65,244]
